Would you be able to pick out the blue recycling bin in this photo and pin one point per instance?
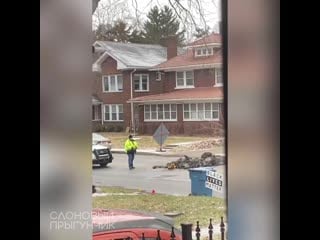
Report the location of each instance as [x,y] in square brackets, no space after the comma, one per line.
[198,178]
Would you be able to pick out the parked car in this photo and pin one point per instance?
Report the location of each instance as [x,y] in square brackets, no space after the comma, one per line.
[101,150]
[131,225]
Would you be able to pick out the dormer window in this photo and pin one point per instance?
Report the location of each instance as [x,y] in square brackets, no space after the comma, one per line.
[203,51]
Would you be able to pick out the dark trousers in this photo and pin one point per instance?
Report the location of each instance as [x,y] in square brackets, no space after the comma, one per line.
[130,159]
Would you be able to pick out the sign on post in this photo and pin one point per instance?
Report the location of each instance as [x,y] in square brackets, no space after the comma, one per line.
[160,135]
[214,181]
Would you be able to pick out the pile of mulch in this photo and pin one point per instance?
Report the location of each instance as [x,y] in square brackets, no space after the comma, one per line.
[207,159]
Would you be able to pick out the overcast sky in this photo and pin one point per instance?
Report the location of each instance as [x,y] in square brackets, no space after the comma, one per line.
[211,13]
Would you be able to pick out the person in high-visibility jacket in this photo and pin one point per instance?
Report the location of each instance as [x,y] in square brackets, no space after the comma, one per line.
[131,147]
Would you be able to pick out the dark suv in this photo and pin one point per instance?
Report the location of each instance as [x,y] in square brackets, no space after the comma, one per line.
[101,155]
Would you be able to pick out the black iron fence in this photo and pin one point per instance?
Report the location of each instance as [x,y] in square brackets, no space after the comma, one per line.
[187,232]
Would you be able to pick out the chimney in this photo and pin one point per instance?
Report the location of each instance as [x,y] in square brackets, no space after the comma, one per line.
[171,43]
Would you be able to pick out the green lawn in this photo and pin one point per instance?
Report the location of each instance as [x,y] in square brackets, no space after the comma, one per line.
[194,208]
[147,142]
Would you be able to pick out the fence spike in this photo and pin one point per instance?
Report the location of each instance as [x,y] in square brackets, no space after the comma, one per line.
[158,235]
[198,231]
[210,229]
[222,228]
[172,236]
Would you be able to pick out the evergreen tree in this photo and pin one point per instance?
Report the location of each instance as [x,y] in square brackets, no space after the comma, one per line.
[200,32]
[119,32]
[103,33]
[136,37]
[161,24]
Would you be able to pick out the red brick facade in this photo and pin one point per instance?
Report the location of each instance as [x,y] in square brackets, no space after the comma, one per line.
[202,78]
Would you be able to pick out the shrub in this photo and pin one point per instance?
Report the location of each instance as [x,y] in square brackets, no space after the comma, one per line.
[98,128]
[118,129]
[109,128]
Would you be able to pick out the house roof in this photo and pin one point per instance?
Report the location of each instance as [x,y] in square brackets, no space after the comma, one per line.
[213,38]
[135,55]
[192,94]
[188,60]
[132,55]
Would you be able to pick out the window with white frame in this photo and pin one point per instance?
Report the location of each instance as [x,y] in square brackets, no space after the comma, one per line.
[113,112]
[141,82]
[112,83]
[160,112]
[204,51]
[218,77]
[201,111]
[184,79]
[96,113]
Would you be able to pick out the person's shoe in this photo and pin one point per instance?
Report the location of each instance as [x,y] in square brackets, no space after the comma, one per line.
[133,168]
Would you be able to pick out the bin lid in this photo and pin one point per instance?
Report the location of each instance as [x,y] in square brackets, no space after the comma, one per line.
[203,169]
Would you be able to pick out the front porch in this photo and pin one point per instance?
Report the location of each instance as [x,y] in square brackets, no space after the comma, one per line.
[198,111]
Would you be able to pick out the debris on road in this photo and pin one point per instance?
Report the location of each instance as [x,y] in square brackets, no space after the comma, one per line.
[207,159]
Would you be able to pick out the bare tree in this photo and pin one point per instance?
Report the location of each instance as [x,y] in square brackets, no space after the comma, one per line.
[196,14]
[110,11]
[193,14]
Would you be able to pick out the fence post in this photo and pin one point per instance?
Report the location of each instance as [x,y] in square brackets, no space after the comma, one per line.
[198,231]
[210,229]
[186,231]
[158,235]
[222,228]
[172,236]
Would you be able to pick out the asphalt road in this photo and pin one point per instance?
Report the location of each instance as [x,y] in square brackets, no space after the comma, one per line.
[173,182]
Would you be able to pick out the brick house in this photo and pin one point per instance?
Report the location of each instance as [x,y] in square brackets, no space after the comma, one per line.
[183,88]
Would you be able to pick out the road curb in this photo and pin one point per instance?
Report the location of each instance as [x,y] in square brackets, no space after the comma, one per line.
[163,154]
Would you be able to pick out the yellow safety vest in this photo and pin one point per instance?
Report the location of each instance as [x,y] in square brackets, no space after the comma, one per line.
[130,145]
